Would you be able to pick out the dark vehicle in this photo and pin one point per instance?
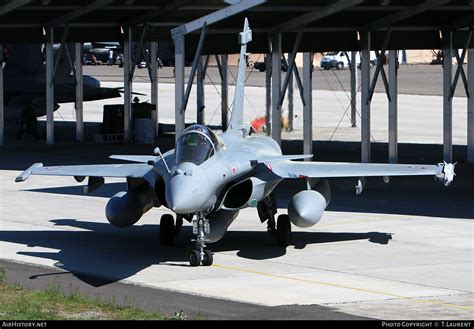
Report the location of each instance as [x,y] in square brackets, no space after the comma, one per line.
[100,50]
[102,56]
[261,66]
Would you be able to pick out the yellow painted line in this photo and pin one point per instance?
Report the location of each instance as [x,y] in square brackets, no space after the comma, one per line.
[462,307]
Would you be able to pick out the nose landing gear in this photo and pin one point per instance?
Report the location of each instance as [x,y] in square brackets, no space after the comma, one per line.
[200,254]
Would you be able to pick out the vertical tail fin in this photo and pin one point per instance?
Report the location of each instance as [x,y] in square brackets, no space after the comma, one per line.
[236,122]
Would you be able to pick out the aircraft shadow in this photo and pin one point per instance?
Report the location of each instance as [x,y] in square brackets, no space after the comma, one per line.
[100,253]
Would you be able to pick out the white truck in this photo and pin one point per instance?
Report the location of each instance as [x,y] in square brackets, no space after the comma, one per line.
[338,60]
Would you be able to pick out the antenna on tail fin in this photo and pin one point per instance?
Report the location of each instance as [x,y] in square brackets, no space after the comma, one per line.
[237,120]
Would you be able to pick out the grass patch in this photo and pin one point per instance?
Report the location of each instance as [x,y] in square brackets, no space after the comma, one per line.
[54,303]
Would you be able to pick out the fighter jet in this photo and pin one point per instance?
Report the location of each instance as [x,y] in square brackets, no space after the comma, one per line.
[208,178]
[24,81]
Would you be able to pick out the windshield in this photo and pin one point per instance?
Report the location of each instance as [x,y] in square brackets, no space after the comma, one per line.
[196,145]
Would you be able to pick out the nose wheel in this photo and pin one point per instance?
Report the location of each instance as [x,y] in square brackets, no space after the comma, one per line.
[200,254]
[195,258]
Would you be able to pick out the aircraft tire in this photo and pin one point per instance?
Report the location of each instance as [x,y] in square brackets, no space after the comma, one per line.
[167,230]
[194,258]
[283,231]
[208,258]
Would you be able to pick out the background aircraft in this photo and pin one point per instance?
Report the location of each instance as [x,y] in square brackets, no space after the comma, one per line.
[25,81]
[208,178]
[101,52]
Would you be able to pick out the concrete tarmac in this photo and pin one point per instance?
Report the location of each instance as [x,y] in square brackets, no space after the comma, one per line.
[420,79]
[420,117]
[398,251]
[168,302]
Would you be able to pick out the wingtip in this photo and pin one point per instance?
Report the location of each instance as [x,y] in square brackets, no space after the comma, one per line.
[446,173]
[24,176]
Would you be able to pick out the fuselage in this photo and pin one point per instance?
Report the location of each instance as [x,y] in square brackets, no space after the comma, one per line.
[21,93]
[193,188]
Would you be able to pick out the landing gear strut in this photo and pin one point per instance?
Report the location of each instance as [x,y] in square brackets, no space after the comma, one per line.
[200,254]
[266,211]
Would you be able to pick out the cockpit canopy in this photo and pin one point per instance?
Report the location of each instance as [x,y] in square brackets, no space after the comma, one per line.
[196,145]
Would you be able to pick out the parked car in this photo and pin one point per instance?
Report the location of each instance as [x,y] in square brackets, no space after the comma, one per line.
[338,60]
[261,66]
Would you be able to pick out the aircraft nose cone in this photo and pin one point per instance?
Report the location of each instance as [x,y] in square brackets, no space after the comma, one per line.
[183,201]
[184,195]
[176,201]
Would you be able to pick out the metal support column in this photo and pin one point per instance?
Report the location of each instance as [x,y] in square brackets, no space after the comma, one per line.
[200,90]
[268,93]
[276,87]
[353,68]
[447,100]
[470,107]
[127,75]
[224,91]
[179,84]
[393,107]
[365,101]
[2,117]
[290,102]
[308,106]
[49,87]
[79,92]
[154,83]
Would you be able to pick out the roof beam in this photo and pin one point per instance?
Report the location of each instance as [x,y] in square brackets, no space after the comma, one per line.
[466,21]
[300,21]
[78,12]
[404,14]
[143,18]
[233,30]
[255,9]
[297,8]
[12,5]
[216,16]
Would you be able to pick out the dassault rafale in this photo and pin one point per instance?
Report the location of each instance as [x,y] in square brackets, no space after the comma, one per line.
[207,178]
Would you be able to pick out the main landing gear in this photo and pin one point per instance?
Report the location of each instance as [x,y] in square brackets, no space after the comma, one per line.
[200,254]
[169,231]
[266,211]
[283,232]
[282,228]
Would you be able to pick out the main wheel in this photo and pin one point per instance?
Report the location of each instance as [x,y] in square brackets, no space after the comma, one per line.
[208,258]
[167,230]
[194,258]
[283,230]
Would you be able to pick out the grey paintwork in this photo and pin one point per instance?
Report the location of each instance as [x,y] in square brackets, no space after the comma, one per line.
[241,172]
